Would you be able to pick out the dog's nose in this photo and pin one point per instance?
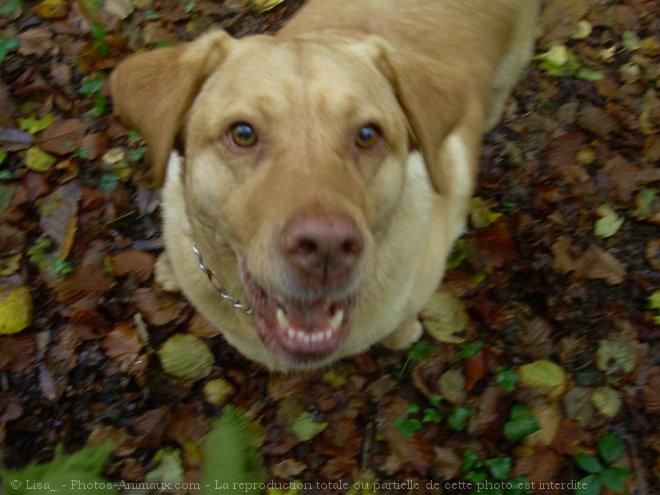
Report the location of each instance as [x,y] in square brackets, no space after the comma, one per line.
[323,247]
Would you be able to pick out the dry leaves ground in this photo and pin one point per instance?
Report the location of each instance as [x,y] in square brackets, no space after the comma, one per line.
[545,332]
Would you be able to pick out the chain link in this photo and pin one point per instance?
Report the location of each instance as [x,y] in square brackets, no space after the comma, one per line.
[221,291]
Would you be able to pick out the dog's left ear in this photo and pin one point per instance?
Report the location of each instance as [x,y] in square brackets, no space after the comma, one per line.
[432,101]
[154,90]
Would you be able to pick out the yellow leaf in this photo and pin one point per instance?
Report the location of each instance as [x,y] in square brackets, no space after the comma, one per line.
[38,160]
[51,9]
[609,222]
[606,401]
[445,318]
[265,5]
[10,264]
[548,416]
[615,356]
[15,309]
[481,215]
[545,377]
[187,357]
[34,125]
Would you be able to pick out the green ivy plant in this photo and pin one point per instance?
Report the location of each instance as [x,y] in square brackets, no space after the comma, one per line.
[492,476]
[602,473]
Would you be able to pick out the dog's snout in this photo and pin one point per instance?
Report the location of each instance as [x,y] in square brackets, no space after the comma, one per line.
[324,248]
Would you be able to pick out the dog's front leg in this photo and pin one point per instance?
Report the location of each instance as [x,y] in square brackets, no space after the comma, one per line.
[403,337]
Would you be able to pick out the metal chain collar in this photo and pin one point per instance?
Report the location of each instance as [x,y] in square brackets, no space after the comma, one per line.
[221,291]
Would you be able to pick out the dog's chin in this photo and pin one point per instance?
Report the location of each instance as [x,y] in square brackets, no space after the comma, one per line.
[303,332]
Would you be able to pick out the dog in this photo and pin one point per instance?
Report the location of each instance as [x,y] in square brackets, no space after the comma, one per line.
[315,180]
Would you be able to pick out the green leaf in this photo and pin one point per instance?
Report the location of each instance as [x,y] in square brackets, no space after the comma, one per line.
[476,477]
[499,467]
[108,182]
[521,486]
[522,423]
[630,41]
[466,350]
[645,201]
[589,485]
[435,400]
[99,33]
[614,476]
[151,15]
[305,427]
[506,378]
[588,463]
[413,409]
[99,105]
[7,45]
[9,6]
[170,467]
[6,175]
[609,447]
[609,223]
[84,466]
[589,74]
[38,160]
[231,455]
[458,417]
[470,461]
[92,85]
[431,416]
[421,351]
[408,426]
[33,125]
[3,156]
[95,5]
[60,267]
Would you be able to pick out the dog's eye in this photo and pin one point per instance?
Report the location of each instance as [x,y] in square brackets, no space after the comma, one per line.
[367,136]
[243,135]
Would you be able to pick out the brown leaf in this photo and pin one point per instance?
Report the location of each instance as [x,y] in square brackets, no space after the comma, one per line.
[124,442]
[537,338]
[341,438]
[63,137]
[11,407]
[158,307]
[415,450]
[343,468]
[577,404]
[36,41]
[597,120]
[652,253]
[96,145]
[621,177]
[288,468]
[187,425]
[542,466]
[447,462]
[150,427]
[59,216]
[123,343]
[83,288]
[548,415]
[201,327]
[475,370]
[17,352]
[597,264]
[133,261]
[497,244]
[651,394]
[559,19]
[488,414]
[570,438]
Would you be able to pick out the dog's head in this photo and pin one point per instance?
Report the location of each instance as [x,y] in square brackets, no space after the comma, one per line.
[295,158]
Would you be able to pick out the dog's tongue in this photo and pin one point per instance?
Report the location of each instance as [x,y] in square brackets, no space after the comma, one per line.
[309,316]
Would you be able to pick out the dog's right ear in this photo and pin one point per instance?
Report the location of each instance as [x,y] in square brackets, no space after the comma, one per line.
[153,91]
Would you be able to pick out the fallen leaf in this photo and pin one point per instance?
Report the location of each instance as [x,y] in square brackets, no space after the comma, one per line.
[63,137]
[59,216]
[134,262]
[186,356]
[452,386]
[36,41]
[560,18]
[548,415]
[38,160]
[158,307]
[265,5]
[123,442]
[444,318]
[51,9]
[651,393]
[150,427]
[597,264]
[305,427]
[82,288]
[481,214]
[615,355]
[288,468]
[33,125]
[544,377]
[609,223]
[543,465]
[218,391]
[607,401]
[487,416]
[15,309]
[447,462]
[17,352]
[475,370]
[11,407]
[123,343]
[47,384]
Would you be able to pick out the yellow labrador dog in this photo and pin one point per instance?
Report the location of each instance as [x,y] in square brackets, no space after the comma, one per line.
[315,180]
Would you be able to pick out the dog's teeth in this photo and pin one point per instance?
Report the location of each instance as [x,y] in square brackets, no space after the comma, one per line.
[336,319]
[300,336]
[282,320]
[315,337]
[306,339]
[328,334]
[291,333]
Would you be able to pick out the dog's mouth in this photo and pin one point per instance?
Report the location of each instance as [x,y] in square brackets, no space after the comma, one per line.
[299,330]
